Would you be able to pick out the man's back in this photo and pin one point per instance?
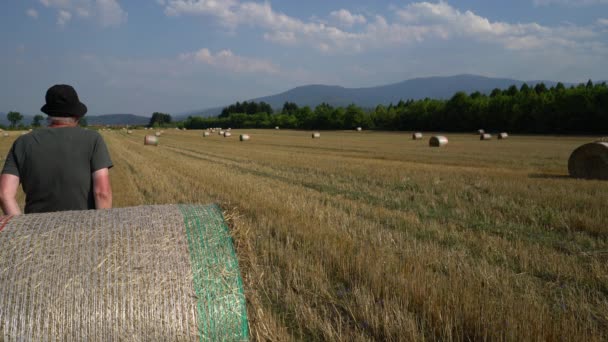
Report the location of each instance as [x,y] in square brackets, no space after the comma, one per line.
[55,167]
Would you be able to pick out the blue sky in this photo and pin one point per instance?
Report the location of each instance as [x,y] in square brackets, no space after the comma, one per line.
[180,55]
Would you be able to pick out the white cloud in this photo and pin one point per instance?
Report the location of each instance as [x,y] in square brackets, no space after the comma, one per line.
[108,13]
[63,17]
[573,3]
[414,23]
[32,13]
[227,60]
[346,18]
[602,22]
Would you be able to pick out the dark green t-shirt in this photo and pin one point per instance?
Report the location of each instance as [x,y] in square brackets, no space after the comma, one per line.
[55,167]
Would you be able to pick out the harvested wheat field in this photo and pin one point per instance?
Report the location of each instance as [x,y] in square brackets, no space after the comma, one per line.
[376,236]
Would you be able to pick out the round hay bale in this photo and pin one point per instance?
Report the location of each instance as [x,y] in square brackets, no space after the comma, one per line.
[206,134]
[227,134]
[417,136]
[276,127]
[485,136]
[316,135]
[481,131]
[359,129]
[438,141]
[151,140]
[503,135]
[229,129]
[220,133]
[244,137]
[129,132]
[149,273]
[158,134]
[24,133]
[5,134]
[589,161]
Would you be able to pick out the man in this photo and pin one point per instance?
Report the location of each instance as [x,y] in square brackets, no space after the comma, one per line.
[62,167]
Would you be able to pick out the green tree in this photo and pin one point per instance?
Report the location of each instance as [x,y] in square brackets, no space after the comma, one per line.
[36,121]
[14,118]
[159,119]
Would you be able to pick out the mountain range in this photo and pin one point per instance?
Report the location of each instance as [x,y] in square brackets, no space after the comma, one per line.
[369,97]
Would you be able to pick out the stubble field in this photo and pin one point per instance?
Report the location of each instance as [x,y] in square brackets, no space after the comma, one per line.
[373,236]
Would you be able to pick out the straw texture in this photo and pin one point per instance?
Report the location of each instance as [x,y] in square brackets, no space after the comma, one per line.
[131,274]
[589,161]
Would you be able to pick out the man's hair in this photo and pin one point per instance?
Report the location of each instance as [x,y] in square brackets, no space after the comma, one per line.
[62,120]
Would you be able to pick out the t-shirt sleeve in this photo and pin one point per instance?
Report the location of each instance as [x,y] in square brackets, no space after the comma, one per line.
[11,165]
[100,158]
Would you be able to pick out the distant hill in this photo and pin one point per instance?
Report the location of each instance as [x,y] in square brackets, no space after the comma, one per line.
[117,119]
[417,88]
[108,119]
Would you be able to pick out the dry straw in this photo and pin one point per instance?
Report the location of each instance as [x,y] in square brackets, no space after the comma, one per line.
[5,134]
[151,140]
[485,136]
[438,141]
[244,137]
[206,134]
[316,135]
[151,273]
[227,134]
[589,161]
[129,132]
[417,136]
[503,135]
[220,132]
[359,129]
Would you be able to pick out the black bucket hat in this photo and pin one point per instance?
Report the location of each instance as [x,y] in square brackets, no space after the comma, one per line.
[62,100]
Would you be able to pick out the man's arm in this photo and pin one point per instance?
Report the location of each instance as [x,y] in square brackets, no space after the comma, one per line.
[8,193]
[102,190]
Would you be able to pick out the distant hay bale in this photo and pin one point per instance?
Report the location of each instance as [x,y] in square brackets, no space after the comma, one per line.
[359,129]
[485,136]
[438,141]
[503,135]
[417,136]
[24,133]
[229,129]
[481,131]
[5,134]
[151,140]
[206,134]
[129,132]
[184,129]
[148,273]
[589,161]
[220,133]
[227,134]
[244,137]
[158,134]
[316,135]
[276,127]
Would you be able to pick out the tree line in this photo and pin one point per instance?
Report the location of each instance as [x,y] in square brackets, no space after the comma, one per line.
[539,109]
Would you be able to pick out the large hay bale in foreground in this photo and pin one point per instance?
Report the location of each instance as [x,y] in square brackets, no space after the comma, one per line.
[589,161]
[316,135]
[485,136]
[417,136]
[244,137]
[151,140]
[438,141]
[151,273]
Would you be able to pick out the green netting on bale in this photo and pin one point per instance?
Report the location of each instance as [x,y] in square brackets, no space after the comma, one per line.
[148,273]
[222,313]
